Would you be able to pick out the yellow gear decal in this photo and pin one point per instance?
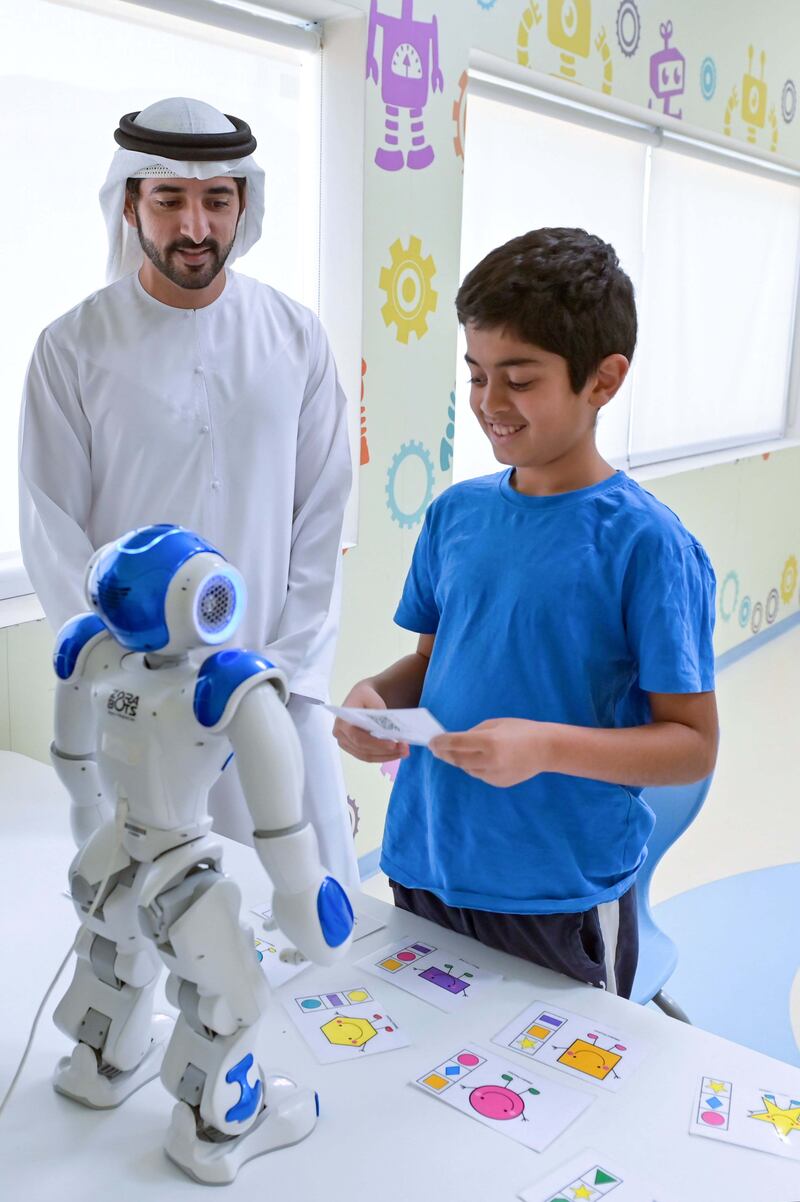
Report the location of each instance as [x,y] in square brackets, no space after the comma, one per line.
[407,284]
[789,579]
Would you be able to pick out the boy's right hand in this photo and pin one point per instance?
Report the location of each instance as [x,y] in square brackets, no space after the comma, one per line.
[358,742]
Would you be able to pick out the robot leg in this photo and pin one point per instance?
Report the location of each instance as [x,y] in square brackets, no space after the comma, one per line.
[389,156]
[422,153]
[107,1008]
[229,1110]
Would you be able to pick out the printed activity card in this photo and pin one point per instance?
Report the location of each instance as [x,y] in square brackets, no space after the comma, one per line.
[429,972]
[587,1178]
[345,1024]
[280,959]
[737,1112]
[529,1109]
[574,1044]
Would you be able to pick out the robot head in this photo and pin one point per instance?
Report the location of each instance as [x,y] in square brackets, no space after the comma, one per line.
[667,67]
[164,589]
[754,93]
[569,25]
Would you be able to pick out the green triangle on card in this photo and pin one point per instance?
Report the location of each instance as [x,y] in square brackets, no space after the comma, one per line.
[560,1200]
[602,1178]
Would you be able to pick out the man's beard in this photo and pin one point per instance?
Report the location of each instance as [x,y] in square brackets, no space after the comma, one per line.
[186,275]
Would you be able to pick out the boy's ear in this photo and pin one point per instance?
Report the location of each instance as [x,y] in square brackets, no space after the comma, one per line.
[608,379]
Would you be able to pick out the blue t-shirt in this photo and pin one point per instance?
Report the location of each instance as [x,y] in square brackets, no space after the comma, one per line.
[566,608]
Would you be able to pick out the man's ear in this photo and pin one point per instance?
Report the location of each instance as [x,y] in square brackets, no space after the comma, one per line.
[609,377]
[128,210]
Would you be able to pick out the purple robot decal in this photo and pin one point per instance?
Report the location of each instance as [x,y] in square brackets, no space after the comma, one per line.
[409,65]
[667,72]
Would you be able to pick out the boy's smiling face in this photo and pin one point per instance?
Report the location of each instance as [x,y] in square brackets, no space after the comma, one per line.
[523,399]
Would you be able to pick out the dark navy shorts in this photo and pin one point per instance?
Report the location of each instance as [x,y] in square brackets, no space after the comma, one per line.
[598,946]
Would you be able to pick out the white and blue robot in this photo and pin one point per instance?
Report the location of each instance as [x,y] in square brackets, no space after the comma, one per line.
[145,720]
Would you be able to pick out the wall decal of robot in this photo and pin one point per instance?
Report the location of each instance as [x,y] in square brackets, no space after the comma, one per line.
[569,29]
[753,105]
[667,73]
[409,67]
[148,709]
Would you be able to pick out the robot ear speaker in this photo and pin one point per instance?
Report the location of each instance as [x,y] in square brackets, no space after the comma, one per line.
[216,604]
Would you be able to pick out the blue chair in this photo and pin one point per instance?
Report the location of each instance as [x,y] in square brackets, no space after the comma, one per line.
[675,808]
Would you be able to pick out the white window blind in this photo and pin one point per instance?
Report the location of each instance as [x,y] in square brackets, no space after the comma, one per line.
[67,74]
[709,240]
[716,308]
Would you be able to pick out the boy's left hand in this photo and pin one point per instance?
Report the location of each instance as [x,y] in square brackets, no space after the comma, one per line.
[502,751]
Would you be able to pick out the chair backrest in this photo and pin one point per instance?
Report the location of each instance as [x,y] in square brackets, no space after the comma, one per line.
[675,808]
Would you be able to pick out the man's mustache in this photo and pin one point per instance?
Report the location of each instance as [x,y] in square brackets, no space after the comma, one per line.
[208,244]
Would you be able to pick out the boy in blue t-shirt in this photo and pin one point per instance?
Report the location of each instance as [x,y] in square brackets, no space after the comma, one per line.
[565,620]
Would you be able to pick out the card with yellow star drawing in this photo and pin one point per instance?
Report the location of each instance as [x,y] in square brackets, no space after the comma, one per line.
[588,1177]
[752,1116]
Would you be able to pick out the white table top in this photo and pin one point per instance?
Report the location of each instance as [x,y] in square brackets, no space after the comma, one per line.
[377,1137]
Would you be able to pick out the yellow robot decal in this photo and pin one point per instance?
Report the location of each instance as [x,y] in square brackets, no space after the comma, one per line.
[754,112]
[569,30]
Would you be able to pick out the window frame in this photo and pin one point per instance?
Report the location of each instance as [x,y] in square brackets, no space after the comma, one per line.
[500,80]
[337,32]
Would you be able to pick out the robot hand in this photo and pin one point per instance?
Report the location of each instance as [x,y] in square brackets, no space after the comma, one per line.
[310,907]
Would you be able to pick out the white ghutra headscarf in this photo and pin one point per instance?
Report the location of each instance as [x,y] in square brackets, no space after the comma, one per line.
[175,138]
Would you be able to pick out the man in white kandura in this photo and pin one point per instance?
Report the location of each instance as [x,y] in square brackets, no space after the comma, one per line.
[187,393]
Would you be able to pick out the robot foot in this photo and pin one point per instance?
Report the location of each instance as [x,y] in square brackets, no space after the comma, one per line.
[79,1077]
[290,1114]
[418,159]
[389,160]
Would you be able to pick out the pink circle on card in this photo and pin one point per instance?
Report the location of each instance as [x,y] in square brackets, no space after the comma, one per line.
[406,956]
[496,1102]
[713,1120]
[468,1059]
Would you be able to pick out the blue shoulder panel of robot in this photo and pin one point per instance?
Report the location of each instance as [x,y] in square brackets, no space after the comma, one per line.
[219,677]
[334,911]
[72,638]
[130,582]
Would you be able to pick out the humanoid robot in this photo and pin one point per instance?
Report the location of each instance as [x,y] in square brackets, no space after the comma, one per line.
[145,719]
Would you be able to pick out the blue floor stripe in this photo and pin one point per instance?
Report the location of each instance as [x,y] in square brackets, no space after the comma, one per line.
[738,953]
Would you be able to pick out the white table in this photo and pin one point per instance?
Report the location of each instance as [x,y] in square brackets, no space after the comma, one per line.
[378,1137]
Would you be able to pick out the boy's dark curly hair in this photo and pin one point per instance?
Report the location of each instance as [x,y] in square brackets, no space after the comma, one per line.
[560,289]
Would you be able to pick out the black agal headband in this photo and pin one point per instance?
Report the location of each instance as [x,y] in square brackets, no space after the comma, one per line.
[189,148]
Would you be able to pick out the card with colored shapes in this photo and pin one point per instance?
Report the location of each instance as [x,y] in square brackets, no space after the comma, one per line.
[572,1043]
[345,1024]
[587,1178]
[529,1109]
[279,957]
[737,1112]
[430,972]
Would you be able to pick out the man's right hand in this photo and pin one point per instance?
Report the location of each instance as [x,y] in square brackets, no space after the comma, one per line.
[358,742]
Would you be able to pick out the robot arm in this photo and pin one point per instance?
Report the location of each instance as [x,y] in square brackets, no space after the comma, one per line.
[75,737]
[437,79]
[374,21]
[309,906]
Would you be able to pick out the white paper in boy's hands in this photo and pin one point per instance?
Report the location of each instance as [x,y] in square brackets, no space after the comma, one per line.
[398,726]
